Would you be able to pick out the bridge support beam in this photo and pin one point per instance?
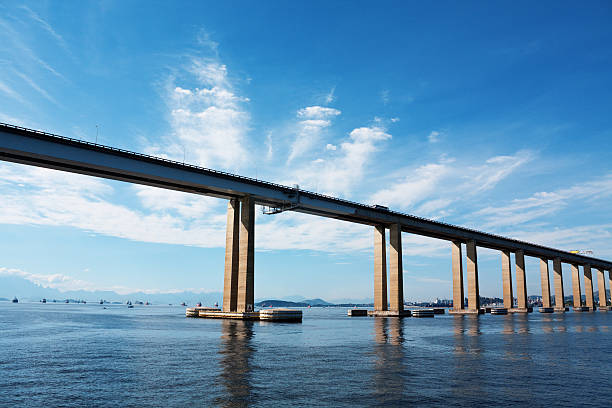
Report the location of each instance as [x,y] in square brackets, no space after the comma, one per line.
[588,287]
[380,269]
[545,278]
[457,269]
[601,286]
[576,290]
[396,270]
[230,281]
[246,264]
[521,282]
[507,280]
[559,291]
[472,276]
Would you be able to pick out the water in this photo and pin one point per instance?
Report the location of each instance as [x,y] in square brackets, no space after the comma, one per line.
[84,355]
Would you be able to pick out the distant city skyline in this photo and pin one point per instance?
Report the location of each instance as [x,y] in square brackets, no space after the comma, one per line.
[494,117]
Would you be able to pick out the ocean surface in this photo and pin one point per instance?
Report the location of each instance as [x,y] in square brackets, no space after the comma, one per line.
[69,355]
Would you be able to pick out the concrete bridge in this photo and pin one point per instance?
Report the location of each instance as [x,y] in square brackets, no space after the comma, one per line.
[36,148]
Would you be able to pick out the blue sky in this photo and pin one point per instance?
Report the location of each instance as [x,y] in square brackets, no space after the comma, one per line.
[494,116]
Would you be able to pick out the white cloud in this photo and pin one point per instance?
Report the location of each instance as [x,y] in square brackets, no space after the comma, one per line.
[544,203]
[435,186]
[434,136]
[342,171]
[209,123]
[330,146]
[330,97]
[317,112]
[314,119]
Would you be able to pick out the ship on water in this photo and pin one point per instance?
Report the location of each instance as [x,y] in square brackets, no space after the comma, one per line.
[15,300]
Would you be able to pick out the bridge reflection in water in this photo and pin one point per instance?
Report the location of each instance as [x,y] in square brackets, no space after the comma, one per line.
[390,368]
[236,353]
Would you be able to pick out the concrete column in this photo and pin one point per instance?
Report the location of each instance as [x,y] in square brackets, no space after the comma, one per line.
[230,282]
[610,284]
[601,285]
[472,276]
[458,296]
[396,269]
[507,280]
[246,264]
[558,280]
[545,282]
[521,280]
[588,287]
[380,269]
[576,291]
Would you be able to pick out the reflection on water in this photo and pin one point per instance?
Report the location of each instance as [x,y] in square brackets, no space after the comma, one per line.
[389,372]
[235,351]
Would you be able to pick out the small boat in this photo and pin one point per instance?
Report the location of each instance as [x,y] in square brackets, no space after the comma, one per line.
[199,304]
[130,306]
[66,301]
[183,304]
[15,300]
[44,300]
[147,303]
[216,304]
[101,302]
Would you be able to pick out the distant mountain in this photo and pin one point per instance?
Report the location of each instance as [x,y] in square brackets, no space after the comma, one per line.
[316,302]
[26,290]
[287,303]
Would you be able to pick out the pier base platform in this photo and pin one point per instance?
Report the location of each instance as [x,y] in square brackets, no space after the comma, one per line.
[521,310]
[581,309]
[280,315]
[499,311]
[561,309]
[604,308]
[270,315]
[422,312]
[466,311]
[357,312]
[389,313]
[546,310]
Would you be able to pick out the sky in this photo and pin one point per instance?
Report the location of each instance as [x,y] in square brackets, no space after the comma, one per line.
[490,115]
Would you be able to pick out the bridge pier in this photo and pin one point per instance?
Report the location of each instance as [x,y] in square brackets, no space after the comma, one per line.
[521,284]
[545,278]
[576,289]
[232,235]
[380,269]
[601,286]
[558,281]
[507,280]
[246,264]
[472,275]
[588,287]
[457,269]
[396,270]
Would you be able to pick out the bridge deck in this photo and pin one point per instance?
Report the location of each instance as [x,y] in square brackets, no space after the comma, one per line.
[36,148]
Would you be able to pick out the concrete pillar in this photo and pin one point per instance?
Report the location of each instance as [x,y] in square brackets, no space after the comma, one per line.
[521,280]
[601,285]
[246,264]
[588,287]
[507,280]
[558,280]
[545,282]
[458,296]
[380,269]
[396,269]
[472,276]
[230,282]
[576,291]
[610,284]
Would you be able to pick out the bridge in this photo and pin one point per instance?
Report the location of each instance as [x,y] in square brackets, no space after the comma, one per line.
[37,148]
